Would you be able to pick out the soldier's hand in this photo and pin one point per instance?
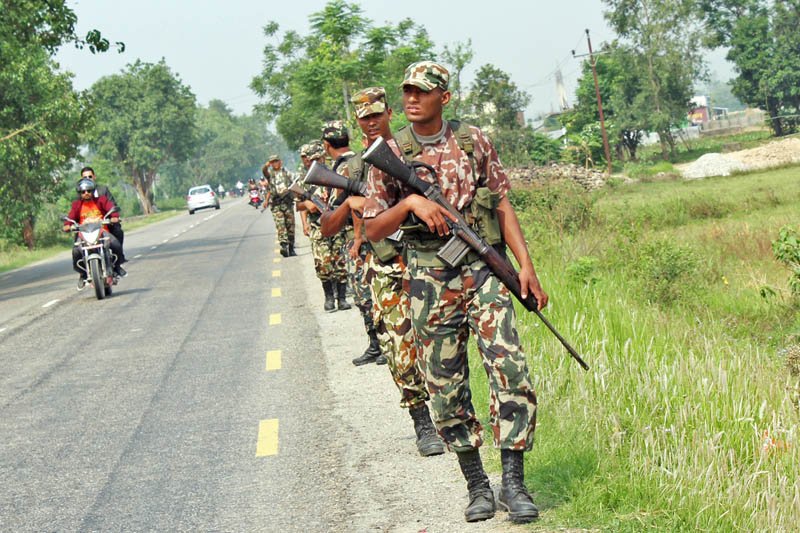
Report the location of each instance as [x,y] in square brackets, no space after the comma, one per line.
[306,230]
[431,213]
[353,251]
[529,283]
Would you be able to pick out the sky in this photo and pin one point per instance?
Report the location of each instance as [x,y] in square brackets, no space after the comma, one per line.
[215,47]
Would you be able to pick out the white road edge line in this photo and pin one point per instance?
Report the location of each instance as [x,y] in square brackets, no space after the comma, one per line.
[2,330]
[137,256]
[51,302]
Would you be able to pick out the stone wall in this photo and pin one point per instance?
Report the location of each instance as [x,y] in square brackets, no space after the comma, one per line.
[589,179]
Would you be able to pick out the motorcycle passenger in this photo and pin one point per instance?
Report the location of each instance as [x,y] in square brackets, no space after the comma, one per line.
[102,190]
[255,198]
[91,209]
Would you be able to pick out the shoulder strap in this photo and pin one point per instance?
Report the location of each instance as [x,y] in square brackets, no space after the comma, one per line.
[464,139]
[356,166]
[407,142]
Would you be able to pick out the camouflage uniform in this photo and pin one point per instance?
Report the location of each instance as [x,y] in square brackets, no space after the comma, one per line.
[390,303]
[446,303]
[329,262]
[282,204]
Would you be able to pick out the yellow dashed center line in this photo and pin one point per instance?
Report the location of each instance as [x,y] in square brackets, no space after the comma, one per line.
[277,250]
[274,360]
[267,438]
[276,273]
[274,319]
[276,292]
[276,259]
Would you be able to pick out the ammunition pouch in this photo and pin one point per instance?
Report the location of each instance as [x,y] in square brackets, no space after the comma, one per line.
[484,215]
[384,250]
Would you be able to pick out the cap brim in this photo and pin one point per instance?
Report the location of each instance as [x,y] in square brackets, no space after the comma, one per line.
[419,85]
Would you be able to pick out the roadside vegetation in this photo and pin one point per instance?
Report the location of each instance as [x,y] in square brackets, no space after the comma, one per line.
[683,297]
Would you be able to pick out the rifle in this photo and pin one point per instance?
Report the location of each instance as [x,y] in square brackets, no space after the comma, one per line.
[319,174]
[464,237]
[301,193]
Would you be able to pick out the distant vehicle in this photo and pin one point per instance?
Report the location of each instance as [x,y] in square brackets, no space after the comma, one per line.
[201,197]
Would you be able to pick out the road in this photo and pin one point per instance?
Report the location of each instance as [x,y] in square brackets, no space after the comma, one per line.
[201,397]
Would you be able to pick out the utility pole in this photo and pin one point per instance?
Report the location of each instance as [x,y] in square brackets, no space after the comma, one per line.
[599,104]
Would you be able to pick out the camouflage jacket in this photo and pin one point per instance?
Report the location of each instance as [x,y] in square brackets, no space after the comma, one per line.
[455,176]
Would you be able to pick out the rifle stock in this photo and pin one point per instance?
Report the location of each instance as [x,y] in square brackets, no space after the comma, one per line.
[382,157]
[319,174]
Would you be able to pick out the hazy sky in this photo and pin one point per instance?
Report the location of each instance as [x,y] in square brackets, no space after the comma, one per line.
[216,47]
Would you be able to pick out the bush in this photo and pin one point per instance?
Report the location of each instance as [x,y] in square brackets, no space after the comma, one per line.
[563,207]
[646,171]
[583,271]
[787,250]
[666,271]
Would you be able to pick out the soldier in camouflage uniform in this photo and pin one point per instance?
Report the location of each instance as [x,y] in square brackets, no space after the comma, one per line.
[336,140]
[383,275]
[281,203]
[329,262]
[446,303]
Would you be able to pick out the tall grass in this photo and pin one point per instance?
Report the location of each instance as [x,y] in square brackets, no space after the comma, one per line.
[687,419]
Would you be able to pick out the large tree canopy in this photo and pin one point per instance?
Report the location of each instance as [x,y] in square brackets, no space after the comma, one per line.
[764,46]
[309,79]
[41,116]
[145,117]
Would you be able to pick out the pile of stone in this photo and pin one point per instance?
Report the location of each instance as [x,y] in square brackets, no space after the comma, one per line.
[774,154]
[589,179]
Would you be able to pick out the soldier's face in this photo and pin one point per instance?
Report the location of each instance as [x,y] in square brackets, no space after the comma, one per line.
[276,165]
[423,107]
[376,125]
[306,161]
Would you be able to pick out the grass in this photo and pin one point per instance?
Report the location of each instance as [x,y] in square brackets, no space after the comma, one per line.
[687,419]
[12,257]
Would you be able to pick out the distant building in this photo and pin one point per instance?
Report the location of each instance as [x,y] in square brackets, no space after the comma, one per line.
[702,112]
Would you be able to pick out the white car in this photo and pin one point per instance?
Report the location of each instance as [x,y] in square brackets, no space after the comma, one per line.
[200,197]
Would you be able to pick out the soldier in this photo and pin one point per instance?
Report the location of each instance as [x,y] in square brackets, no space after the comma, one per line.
[336,140]
[383,275]
[281,203]
[446,303]
[329,262]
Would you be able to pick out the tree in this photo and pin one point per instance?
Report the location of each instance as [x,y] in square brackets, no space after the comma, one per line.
[663,42]
[457,58]
[145,117]
[307,80]
[496,104]
[763,44]
[41,116]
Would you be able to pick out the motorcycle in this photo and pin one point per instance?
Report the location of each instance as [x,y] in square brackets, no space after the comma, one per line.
[97,258]
[255,198]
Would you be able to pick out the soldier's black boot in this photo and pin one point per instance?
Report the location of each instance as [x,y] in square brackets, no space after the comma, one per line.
[330,301]
[341,300]
[481,498]
[428,441]
[291,250]
[373,351]
[284,250]
[514,497]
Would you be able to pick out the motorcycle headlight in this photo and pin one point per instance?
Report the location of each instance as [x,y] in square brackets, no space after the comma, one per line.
[91,236]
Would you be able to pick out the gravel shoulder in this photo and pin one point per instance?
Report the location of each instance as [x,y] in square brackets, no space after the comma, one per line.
[390,487]
[774,154]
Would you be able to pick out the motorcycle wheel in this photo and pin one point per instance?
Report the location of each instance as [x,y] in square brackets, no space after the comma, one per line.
[96,273]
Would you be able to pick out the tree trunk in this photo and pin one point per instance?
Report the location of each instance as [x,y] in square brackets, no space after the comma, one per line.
[27,232]
[774,122]
[140,183]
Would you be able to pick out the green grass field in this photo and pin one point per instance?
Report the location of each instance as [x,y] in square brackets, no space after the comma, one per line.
[687,420]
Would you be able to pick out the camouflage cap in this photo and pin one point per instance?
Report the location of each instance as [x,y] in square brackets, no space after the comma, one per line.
[334,129]
[369,101]
[313,150]
[426,75]
[304,150]
[273,157]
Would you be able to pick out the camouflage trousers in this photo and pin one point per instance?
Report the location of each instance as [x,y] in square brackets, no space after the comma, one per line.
[283,215]
[446,303]
[390,313]
[327,252]
[355,277]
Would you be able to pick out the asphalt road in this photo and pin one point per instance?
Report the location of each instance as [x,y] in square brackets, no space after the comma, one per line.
[201,397]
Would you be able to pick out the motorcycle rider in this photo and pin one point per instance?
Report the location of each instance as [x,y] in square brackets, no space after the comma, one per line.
[89,208]
[255,199]
[114,229]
